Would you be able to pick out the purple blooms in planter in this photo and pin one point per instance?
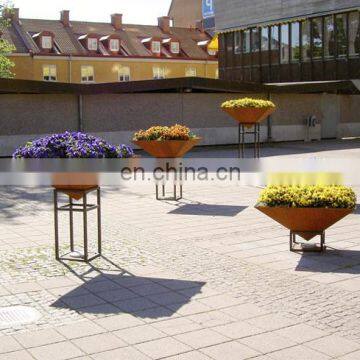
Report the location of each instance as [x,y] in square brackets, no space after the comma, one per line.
[72,145]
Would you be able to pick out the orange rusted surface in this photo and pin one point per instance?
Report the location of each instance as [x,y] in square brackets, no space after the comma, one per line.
[249,116]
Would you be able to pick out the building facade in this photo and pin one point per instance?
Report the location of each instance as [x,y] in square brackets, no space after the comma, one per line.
[287,41]
[87,52]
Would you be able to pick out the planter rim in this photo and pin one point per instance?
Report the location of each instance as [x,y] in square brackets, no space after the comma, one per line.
[160,141]
[298,207]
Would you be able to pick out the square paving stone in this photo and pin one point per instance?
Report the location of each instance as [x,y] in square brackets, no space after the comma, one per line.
[300,333]
[17,355]
[245,311]
[230,351]
[201,338]
[238,330]
[117,322]
[39,338]
[211,318]
[8,343]
[299,352]
[59,351]
[99,343]
[192,355]
[126,353]
[140,334]
[80,329]
[162,348]
[176,326]
[271,322]
[333,345]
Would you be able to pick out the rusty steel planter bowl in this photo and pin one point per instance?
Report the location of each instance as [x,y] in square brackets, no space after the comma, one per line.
[167,148]
[74,184]
[305,222]
[249,116]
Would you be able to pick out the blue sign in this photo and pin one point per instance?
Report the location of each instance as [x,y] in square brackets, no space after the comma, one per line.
[208,8]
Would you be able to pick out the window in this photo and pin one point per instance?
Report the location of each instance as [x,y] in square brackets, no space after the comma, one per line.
[46,42]
[92,44]
[341,34]
[159,73]
[246,42]
[274,45]
[175,47]
[295,42]
[329,36]
[354,33]
[317,38]
[124,74]
[114,45]
[49,73]
[237,42]
[190,72]
[305,38]
[255,46]
[87,74]
[265,45]
[284,53]
[155,47]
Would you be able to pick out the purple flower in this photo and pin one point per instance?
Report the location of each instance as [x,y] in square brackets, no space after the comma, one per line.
[72,145]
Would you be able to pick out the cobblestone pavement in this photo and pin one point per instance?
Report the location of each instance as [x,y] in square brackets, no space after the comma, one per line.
[208,277]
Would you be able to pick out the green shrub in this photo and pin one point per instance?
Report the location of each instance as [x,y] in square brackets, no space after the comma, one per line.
[248,103]
[314,196]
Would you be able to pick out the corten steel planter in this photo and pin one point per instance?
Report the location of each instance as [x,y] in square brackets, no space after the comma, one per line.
[74,184]
[167,148]
[249,116]
[305,222]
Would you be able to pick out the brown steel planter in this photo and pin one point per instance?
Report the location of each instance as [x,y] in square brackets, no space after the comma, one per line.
[73,184]
[167,148]
[249,116]
[305,222]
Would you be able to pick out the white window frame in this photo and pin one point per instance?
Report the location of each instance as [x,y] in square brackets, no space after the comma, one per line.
[112,47]
[86,78]
[124,74]
[175,47]
[46,42]
[92,44]
[191,72]
[159,72]
[156,47]
[50,74]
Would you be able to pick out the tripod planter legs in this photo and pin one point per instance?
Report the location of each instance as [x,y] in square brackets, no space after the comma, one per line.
[83,208]
[177,189]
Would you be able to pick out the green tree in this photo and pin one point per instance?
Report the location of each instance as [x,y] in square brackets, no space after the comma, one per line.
[5,47]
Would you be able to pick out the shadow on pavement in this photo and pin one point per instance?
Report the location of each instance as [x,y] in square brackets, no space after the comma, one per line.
[208,210]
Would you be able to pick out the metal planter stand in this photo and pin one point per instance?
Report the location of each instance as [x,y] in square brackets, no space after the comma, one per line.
[297,247]
[242,133]
[84,208]
[175,197]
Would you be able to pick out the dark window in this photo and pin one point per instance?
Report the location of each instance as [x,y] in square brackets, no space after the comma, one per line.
[237,42]
[317,35]
[265,45]
[255,46]
[274,44]
[341,34]
[329,36]
[354,33]
[305,38]
[246,50]
[295,42]
[284,53]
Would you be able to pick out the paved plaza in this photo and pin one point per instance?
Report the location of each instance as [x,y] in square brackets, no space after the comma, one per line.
[208,277]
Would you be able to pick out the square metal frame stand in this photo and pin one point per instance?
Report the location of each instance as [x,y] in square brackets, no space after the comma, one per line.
[84,208]
[175,197]
[242,133]
[297,247]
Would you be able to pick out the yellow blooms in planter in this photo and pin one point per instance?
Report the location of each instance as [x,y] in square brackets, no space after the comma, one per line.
[310,196]
[162,133]
[248,103]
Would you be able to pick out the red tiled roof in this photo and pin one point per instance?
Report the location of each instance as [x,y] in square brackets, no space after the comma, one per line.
[67,38]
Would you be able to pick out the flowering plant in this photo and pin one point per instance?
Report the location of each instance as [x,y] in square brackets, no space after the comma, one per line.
[162,133]
[310,196]
[72,145]
[248,103]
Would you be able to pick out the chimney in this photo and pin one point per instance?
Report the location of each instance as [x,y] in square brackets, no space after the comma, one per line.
[164,23]
[116,21]
[12,14]
[65,17]
[199,25]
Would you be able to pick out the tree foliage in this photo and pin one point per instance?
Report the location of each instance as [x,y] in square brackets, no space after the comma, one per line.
[5,47]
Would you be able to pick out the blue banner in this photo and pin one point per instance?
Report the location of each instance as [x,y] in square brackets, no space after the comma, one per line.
[208,8]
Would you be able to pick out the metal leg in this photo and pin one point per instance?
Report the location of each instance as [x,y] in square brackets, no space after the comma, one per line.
[157,191]
[99,219]
[175,191]
[71,215]
[56,224]
[322,246]
[239,141]
[86,250]
[163,190]
[181,191]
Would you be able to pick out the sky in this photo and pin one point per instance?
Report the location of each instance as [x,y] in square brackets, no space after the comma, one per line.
[134,11]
